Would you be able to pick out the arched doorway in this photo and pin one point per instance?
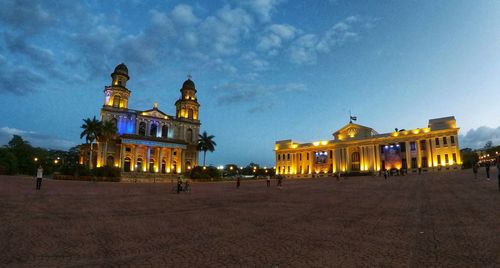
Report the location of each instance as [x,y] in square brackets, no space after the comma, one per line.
[126,164]
[110,161]
[164,131]
[153,131]
[151,166]
[174,167]
[139,165]
[163,166]
[142,129]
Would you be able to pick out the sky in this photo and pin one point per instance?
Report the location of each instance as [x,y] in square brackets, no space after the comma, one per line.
[265,70]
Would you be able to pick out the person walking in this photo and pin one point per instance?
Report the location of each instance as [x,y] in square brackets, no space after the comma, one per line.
[187,188]
[179,184]
[280,181]
[268,179]
[488,170]
[238,182]
[39,176]
[474,169]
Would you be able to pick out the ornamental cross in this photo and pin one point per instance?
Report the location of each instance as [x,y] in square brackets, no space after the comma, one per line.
[189,76]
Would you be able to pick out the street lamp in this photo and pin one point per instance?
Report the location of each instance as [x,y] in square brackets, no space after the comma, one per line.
[35,159]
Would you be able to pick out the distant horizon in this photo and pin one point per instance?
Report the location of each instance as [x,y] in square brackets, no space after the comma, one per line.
[265,70]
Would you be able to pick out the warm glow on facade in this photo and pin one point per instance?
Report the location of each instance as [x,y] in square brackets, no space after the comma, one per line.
[358,148]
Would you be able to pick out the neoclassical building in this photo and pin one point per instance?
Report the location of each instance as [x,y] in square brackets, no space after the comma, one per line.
[148,141]
[357,148]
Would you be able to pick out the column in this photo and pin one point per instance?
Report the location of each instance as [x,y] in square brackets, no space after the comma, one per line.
[137,126]
[408,155]
[419,154]
[148,158]
[183,159]
[134,164]
[347,158]
[122,156]
[160,160]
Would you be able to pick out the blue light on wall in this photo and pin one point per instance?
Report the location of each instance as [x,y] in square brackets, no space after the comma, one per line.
[126,126]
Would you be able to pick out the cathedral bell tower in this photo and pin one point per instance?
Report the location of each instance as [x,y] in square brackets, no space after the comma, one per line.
[187,106]
[117,94]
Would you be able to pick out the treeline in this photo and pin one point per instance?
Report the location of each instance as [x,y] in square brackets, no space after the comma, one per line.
[20,157]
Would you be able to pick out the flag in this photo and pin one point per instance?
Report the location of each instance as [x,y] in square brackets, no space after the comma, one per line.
[354,118]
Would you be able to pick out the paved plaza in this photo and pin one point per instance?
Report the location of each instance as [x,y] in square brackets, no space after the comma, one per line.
[445,219]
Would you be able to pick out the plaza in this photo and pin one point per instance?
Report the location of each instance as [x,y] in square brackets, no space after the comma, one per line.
[440,219]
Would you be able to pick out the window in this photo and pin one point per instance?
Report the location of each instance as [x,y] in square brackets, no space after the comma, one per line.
[423,145]
[413,162]
[126,164]
[355,165]
[142,129]
[288,169]
[439,159]
[164,131]
[452,139]
[279,157]
[437,141]
[331,154]
[413,146]
[446,160]
[307,156]
[300,156]
[189,135]
[402,145]
[153,131]
[175,153]
[190,113]
[279,170]
[116,101]
[424,162]
[445,141]
[288,157]
[128,149]
[454,155]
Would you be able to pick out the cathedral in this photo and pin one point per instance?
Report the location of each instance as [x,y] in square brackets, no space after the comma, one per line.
[148,141]
[360,149]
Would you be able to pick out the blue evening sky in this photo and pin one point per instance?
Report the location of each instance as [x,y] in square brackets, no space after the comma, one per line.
[265,70]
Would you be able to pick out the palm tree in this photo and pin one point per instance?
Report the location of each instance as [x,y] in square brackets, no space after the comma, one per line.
[108,131]
[205,143]
[91,130]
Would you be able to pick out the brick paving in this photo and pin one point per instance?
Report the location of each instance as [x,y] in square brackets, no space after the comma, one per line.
[431,220]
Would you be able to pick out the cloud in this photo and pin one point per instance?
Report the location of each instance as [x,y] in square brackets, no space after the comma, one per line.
[477,138]
[305,49]
[234,93]
[275,35]
[183,14]
[28,17]
[36,139]
[262,8]
[11,76]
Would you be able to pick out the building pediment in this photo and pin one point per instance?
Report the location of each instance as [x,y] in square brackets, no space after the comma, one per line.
[353,131]
[155,113]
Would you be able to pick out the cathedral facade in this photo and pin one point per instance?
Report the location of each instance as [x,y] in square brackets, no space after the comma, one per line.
[148,141]
[360,149]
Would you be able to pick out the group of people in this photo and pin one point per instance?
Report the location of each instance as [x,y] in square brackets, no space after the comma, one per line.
[278,177]
[475,169]
[182,187]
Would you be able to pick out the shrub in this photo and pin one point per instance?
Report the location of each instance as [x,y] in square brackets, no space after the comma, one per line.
[106,171]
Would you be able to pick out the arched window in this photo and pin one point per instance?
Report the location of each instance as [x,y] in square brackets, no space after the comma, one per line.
[189,135]
[142,128]
[126,165]
[164,131]
[116,101]
[355,161]
[154,130]
[190,113]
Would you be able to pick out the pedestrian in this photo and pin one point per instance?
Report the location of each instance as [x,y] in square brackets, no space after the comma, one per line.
[338,176]
[280,181]
[385,174]
[39,176]
[268,179]
[179,184]
[238,182]
[488,170]
[474,169]
[498,171]
[186,186]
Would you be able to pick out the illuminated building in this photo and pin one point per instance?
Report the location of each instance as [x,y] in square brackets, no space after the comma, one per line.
[357,148]
[148,141]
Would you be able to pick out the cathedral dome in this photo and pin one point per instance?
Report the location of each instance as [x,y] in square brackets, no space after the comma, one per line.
[121,68]
[189,84]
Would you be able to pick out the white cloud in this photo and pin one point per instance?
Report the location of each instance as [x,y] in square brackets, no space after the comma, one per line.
[262,8]
[183,14]
[275,35]
[303,50]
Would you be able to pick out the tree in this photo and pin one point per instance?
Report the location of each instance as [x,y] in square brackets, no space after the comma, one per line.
[23,152]
[206,143]
[488,145]
[107,132]
[91,130]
